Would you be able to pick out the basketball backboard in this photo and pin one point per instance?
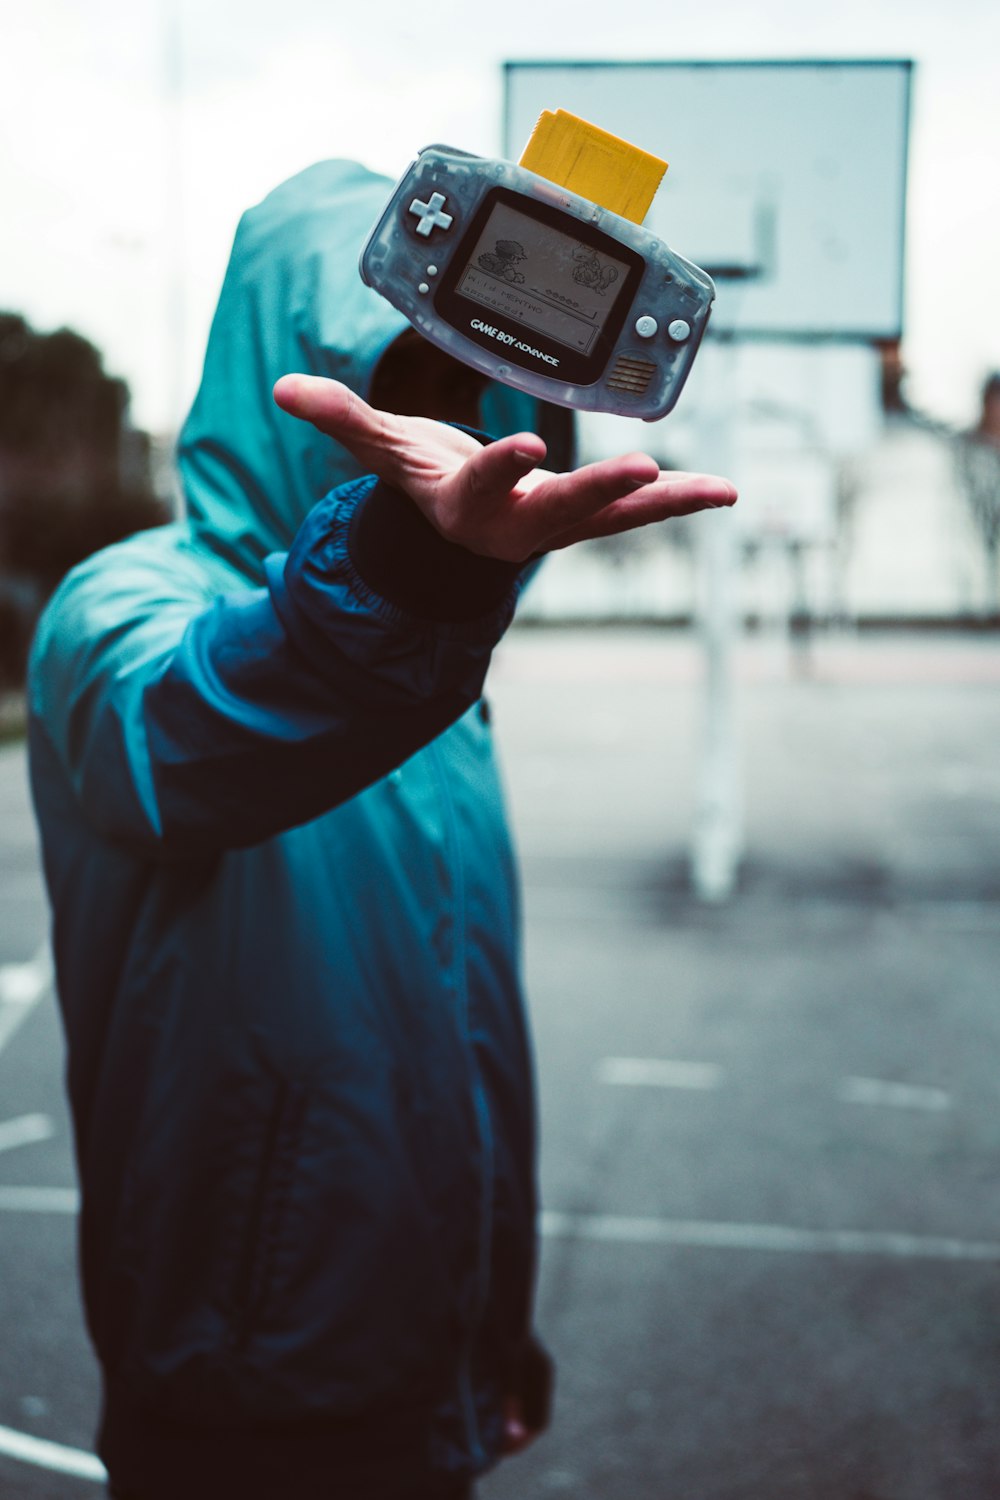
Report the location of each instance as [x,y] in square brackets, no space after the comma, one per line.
[787,180]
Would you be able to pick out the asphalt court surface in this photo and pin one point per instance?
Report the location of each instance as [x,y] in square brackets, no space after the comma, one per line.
[771,1253]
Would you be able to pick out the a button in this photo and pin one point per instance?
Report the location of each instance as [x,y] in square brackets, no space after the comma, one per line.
[430,214]
[432,270]
[679,330]
[423,289]
[646,326]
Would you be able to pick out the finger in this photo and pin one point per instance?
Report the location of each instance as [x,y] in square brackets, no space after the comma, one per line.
[490,475]
[712,486]
[566,500]
[678,495]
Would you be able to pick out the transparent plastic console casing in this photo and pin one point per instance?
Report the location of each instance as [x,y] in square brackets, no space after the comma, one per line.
[537,287]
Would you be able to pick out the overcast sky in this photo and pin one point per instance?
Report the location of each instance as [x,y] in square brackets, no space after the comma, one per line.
[133,132]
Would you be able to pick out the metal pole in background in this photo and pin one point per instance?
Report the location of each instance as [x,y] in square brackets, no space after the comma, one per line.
[717,845]
[174,217]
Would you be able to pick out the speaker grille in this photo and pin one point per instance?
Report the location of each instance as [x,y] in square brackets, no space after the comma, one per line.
[630,375]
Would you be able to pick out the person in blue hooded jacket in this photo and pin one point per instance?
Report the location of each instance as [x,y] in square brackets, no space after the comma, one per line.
[284,900]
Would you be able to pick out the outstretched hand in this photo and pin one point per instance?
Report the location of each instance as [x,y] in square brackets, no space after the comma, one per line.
[496,500]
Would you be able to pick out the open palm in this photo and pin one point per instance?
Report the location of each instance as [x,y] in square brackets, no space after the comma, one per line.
[496,500]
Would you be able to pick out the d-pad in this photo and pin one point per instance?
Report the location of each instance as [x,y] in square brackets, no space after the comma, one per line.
[430,214]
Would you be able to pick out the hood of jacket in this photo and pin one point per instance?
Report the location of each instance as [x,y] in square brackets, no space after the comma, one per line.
[292,301]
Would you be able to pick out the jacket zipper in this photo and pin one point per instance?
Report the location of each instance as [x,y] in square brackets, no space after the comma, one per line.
[483,1126]
[249,1290]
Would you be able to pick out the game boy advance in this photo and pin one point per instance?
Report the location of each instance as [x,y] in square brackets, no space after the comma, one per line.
[538,287]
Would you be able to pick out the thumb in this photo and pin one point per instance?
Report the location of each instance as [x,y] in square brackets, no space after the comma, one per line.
[333,408]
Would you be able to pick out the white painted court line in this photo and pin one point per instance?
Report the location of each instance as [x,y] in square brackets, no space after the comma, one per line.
[880,1091]
[610,1229]
[658,1073]
[39,1200]
[53,1456]
[21,988]
[25,1130]
[613,1229]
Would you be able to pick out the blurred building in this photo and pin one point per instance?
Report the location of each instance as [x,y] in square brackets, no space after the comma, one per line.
[853,509]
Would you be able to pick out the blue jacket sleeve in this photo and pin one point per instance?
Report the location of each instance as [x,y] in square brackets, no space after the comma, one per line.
[189,726]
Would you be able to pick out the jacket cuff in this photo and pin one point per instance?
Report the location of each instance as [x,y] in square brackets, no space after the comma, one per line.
[399,554]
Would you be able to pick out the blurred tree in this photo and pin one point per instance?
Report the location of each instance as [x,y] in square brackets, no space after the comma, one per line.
[74,475]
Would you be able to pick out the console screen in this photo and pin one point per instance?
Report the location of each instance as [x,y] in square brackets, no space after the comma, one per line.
[544,279]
